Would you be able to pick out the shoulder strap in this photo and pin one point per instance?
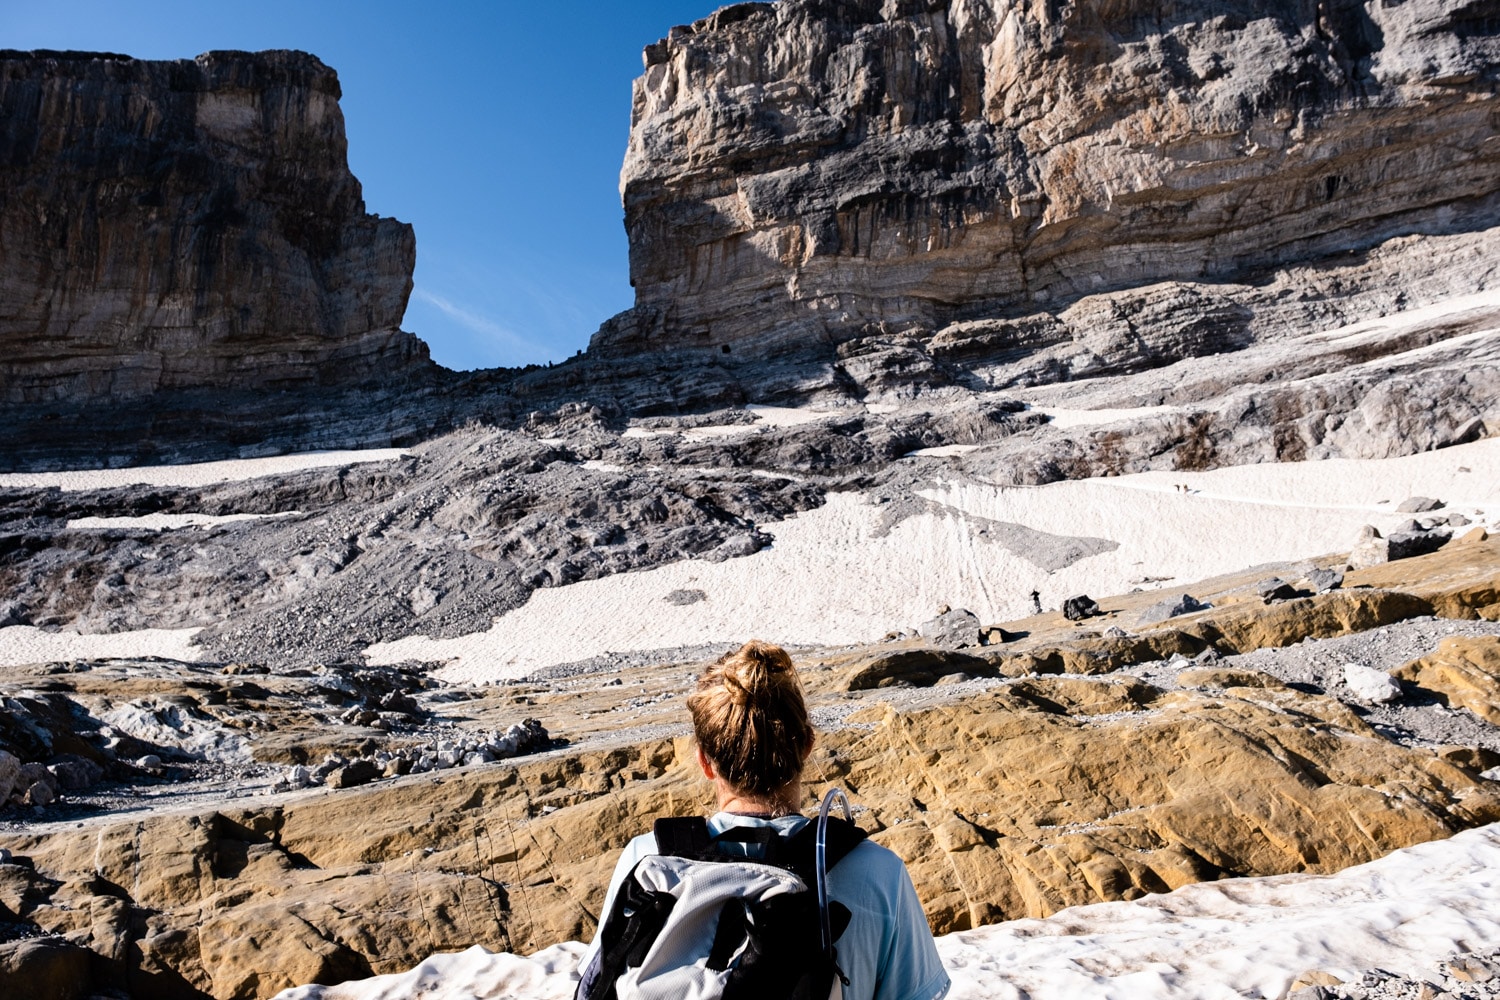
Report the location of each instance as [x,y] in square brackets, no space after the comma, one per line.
[688,837]
[843,837]
[682,836]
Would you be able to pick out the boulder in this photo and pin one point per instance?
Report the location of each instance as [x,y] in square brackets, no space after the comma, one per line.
[353,774]
[1370,551]
[1375,687]
[1080,606]
[1275,589]
[1407,541]
[46,968]
[1406,544]
[1172,607]
[916,667]
[1419,505]
[35,785]
[1321,581]
[952,629]
[76,773]
[358,716]
[10,769]
[525,737]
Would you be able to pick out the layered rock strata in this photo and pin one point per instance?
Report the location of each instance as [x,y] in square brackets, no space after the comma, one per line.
[809,171]
[187,229]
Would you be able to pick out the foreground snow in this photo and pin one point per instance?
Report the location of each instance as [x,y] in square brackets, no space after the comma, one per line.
[849,572]
[1231,939]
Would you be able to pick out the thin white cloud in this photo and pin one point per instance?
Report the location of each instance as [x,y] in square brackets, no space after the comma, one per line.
[521,349]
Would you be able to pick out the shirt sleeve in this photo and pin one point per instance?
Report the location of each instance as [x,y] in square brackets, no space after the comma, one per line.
[912,969]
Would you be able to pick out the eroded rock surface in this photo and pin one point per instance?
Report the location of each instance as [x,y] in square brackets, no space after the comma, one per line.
[182,240]
[807,171]
[188,224]
[1028,798]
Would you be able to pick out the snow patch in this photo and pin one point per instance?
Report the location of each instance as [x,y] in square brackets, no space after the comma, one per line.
[1065,419]
[168,522]
[23,644]
[199,474]
[944,451]
[843,573]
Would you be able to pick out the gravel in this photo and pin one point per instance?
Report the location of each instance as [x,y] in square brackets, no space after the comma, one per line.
[1316,666]
[1461,976]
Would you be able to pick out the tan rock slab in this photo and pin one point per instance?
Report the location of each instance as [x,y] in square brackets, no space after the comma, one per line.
[1464,671]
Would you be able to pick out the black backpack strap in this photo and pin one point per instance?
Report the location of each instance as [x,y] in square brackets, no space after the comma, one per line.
[624,941]
[688,837]
[682,836]
[801,847]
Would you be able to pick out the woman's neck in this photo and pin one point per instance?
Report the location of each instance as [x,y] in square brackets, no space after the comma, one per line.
[782,802]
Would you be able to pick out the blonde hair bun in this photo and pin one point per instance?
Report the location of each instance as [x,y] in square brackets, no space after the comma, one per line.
[750,718]
[755,670]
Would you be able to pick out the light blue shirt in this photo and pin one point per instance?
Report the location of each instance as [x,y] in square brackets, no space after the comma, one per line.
[887,951]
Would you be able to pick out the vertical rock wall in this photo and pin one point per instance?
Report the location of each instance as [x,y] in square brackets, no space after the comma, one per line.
[812,170]
[187,225]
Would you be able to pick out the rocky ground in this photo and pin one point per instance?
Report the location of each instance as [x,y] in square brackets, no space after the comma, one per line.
[1463,976]
[1192,747]
[1062,288]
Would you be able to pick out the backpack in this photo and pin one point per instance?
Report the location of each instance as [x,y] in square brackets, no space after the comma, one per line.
[699,922]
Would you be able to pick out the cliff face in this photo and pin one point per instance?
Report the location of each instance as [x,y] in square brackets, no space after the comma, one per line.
[187,225]
[819,169]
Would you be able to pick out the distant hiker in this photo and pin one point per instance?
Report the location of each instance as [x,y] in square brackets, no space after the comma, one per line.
[686,917]
[1036,602]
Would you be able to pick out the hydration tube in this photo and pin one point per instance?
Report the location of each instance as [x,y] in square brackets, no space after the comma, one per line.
[821,860]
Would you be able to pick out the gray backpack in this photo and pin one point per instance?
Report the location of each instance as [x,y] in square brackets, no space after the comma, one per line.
[702,921]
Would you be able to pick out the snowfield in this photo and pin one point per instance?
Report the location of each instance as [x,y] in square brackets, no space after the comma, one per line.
[851,572]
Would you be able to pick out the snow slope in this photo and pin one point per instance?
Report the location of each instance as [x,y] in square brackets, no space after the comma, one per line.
[848,572]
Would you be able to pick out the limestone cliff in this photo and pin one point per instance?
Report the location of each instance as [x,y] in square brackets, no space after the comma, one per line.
[814,170]
[187,225]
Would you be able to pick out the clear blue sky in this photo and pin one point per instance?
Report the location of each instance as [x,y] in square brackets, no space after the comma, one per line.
[495,128]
